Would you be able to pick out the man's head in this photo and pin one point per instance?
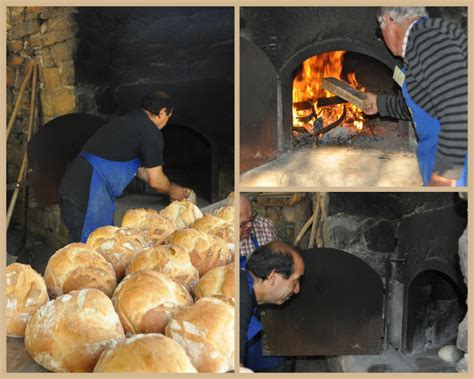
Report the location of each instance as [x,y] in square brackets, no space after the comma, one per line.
[246,217]
[277,268]
[158,106]
[394,22]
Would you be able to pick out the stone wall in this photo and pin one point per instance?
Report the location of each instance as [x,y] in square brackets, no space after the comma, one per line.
[46,36]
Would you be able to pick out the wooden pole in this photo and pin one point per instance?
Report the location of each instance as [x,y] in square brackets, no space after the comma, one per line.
[11,122]
[303,230]
[21,174]
[315,221]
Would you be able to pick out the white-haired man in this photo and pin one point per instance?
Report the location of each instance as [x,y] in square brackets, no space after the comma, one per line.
[434,88]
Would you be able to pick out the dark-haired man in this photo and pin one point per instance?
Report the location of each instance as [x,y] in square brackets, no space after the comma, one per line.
[271,276]
[124,147]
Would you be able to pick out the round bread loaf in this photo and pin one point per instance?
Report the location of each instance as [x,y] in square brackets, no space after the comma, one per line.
[154,229]
[171,260]
[218,282]
[215,226]
[145,301]
[26,292]
[145,353]
[69,334]
[206,331]
[205,251]
[77,266]
[226,213]
[117,245]
[183,213]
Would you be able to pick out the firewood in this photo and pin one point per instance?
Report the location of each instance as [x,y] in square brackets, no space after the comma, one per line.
[347,92]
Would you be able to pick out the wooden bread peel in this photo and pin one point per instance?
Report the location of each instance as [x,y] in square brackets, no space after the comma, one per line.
[345,91]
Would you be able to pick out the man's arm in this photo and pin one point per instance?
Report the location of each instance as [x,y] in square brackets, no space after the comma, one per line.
[156,179]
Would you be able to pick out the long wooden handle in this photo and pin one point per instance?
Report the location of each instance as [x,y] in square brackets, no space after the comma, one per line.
[11,206]
[11,122]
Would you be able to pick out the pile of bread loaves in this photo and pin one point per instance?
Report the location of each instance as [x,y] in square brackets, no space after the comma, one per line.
[155,295]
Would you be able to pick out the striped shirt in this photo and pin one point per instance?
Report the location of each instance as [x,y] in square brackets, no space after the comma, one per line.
[264,231]
[436,78]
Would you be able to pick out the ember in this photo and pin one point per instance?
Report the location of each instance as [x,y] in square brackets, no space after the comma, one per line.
[313,105]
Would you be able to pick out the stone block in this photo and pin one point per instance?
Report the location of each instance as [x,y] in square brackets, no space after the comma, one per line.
[365,203]
[15,60]
[450,354]
[50,12]
[55,36]
[10,76]
[66,72]
[461,341]
[64,51]
[24,29]
[51,78]
[15,15]
[61,22]
[15,45]
[47,103]
[462,364]
[33,12]
[35,41]
[462,252]
[64,101]
[379,235]
[44,57]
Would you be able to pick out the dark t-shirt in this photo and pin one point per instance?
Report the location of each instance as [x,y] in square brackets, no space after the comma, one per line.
[125,138]
[248,302]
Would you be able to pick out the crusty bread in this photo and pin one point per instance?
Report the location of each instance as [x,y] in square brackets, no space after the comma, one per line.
[206,331]
[117,245]
[215,226]
[69,334]
[26,292]
[218,282]
[171,260]
[183,213]
[77,266]
[145,300]
[133,218]
[205,251]
[145,353]
[226,213]
[154,229]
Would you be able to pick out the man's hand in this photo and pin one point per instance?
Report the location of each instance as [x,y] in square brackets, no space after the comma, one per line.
[372,97]
[177,192]
[441,181]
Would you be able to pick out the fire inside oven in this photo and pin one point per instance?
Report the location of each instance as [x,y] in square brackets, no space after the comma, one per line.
[316,112]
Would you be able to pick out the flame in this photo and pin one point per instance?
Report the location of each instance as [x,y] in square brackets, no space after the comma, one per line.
[307,86]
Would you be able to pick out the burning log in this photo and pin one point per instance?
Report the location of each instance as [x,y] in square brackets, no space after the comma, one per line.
[346,91]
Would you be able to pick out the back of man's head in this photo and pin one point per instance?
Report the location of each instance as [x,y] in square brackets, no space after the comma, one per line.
[400,13]
[155,101]
[274,256]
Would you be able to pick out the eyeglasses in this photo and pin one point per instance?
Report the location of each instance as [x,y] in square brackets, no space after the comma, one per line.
[380,25]
[251,219]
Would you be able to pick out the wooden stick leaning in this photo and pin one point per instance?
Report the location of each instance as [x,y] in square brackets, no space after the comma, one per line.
[11,122]
[315,221]
[21,174]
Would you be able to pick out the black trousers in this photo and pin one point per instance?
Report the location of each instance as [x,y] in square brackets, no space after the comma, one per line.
[72,217]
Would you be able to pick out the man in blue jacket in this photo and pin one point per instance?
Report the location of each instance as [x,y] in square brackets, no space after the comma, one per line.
[271,276]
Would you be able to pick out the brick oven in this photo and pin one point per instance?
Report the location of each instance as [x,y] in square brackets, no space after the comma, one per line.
[285,54]
[386,291]
[99,61]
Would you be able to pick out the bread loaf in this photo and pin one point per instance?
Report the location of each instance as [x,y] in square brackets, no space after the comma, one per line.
[25,292]
[77,266]
[218,282]
[171,260]
[183,213]
[145,353]
[145,301]
[226,213]
[153,228]
[117,245]
[69,334]
[215,226]
[206,331]
[205,251]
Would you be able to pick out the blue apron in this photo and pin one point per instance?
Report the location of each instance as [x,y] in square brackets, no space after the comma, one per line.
[109,179]
[427,130]
[254,358]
